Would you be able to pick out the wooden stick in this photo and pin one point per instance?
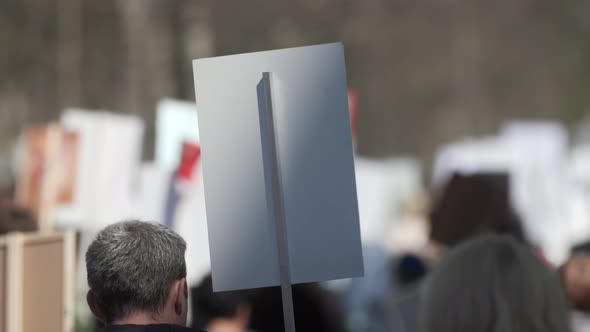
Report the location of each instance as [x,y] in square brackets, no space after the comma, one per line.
[14,282]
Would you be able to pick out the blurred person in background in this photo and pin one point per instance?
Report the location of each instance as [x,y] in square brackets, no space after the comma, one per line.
[465,207]
[473,204]
[316,309]
[14,217]
[137,278]
[575,275]
[220,311]
[493,283]
[261,309]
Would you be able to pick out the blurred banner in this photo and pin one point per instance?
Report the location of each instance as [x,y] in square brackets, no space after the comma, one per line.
[48,172]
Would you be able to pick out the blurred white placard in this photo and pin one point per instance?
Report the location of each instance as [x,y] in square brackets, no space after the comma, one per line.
[108,163]
[176,122]
[382,185]
[315,161]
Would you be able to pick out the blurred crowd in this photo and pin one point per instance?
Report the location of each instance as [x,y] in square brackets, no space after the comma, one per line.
[478,272]
[460,232]
[498,241]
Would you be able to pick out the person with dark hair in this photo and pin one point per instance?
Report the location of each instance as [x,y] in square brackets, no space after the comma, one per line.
[473,204]
[137,278]
[465,207]
[316,309]
[222,311]
[260,309]
[493,283]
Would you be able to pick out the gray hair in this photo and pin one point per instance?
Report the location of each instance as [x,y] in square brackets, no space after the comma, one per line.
[493,283]
[131,266]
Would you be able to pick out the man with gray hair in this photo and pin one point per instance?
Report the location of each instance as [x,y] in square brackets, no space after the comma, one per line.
[137,278]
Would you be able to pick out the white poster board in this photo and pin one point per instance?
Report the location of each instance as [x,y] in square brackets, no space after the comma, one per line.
[382,184]
[176,122]
[108,163]
[315,163]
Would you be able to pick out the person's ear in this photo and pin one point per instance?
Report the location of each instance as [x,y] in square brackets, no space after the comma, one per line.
[180,297]
[94,308]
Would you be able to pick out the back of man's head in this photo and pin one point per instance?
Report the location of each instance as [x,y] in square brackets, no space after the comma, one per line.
[132,267]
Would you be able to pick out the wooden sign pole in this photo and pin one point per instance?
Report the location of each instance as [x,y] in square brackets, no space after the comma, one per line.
[271,168]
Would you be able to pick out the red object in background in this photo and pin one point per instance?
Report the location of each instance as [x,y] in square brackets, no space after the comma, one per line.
[540,255]
[352,108]
[191,153]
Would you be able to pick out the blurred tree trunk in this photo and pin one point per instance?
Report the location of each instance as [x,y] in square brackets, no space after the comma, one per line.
[427,72]
[151,59]
[69,53]
[195,39]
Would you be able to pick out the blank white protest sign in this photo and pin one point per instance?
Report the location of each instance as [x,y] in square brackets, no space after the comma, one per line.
[315,164]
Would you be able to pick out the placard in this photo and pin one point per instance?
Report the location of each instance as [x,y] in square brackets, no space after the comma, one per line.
[315,165]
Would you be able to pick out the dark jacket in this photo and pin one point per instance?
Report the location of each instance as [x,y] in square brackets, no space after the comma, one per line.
[147,328]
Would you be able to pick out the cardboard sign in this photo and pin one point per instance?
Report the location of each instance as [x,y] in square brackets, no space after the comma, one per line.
[315,165]
[48,173]
[37,281]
